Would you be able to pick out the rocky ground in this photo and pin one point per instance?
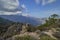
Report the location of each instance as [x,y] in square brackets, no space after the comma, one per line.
[20,30]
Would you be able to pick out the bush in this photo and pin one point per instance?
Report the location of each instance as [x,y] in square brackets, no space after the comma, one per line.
[43,27]
[46,37]
[26,37]
[31,29]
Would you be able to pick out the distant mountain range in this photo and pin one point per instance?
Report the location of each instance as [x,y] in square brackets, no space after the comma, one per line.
[23,19]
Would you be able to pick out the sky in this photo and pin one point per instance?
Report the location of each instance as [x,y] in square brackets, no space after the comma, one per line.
[34,8]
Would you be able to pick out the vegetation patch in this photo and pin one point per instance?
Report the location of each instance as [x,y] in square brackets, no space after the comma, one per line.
[46,37]
[25,37]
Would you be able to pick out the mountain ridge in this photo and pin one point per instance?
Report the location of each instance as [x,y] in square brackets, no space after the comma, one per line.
[23,19]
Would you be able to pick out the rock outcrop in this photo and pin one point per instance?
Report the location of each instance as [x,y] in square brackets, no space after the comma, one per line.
[15,29]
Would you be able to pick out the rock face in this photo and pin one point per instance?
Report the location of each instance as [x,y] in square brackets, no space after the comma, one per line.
[57,34]
[1,38]
[15,30]
[32,34]
[12,30]
[9,28]
[24,28]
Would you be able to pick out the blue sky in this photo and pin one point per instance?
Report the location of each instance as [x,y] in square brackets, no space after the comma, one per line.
[41,9]
[34,8]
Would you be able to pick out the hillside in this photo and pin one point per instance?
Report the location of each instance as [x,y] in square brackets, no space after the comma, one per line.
[23,31]
[4,24]
[24,19]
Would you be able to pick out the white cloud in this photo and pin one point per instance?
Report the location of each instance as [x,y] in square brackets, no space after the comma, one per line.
[50,1]
[11,7]
[7,13]
[8,7]
[44,2]
[51,11]
[26,14]
[10,13]
[37,1]
[19,12]
[25,11]
[9,4]
[23,6]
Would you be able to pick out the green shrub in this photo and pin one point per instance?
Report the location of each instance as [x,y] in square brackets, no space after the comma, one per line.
[46,37]
[31,29]
[25,38]
[43,27]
